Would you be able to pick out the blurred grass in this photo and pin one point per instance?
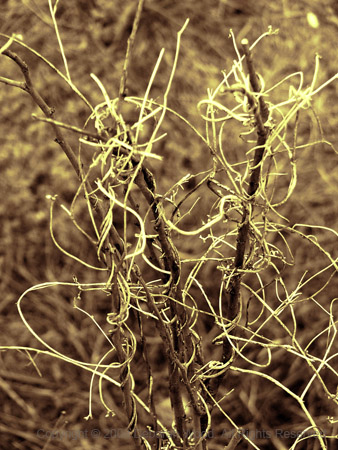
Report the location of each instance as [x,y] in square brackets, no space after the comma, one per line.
[94,35]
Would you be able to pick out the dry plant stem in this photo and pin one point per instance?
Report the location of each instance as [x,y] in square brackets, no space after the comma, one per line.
[73,128]
[171,263]
[130,45]
[126,386]
[174,385]
[264,110]
[144,350]
[180,337]
[50,65]
[261,114]
[56,428]
[146,184]
[173,363]
[28,87]
[235,440]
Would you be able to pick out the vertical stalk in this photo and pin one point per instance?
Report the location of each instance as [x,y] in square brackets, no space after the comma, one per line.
[126,387]
[261,113]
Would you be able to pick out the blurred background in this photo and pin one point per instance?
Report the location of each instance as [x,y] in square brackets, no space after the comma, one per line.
[94,34]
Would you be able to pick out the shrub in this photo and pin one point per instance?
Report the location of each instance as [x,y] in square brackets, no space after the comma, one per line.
[194,280]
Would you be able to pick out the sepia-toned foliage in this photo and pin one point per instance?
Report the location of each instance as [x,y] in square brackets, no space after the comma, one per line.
[169,257]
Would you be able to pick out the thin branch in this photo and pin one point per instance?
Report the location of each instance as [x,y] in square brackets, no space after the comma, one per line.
[130,46]
[261,114]
[28,87]
[235,440]
[51,66]
[264,110]
[69,127]
[127,389]
[56,28]
[9,82]
[48,112]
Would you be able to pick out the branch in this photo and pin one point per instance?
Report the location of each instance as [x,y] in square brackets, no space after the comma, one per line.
[48,112]
[127,389]
[9,82]
[130,45]
[28,87]
[235,440]
[264,110]
[261,115]
[69,127]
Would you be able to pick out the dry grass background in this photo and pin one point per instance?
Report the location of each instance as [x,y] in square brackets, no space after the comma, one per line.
[94,33]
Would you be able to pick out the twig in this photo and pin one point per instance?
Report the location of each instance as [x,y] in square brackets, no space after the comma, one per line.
[174,382]
[51,66]
[56,428]
[28,87]
[174,375]
[130,45]
[69,127]
[53,11]
[127,389]
[235,440]
[264,110]
[9,82]
[261,114]
[48,112]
